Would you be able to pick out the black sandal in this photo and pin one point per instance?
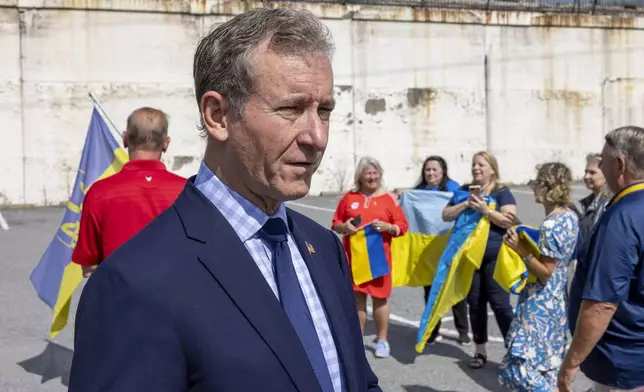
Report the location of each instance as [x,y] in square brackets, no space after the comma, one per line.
[478,361]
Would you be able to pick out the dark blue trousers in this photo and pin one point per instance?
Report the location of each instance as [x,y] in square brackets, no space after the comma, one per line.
[485,290]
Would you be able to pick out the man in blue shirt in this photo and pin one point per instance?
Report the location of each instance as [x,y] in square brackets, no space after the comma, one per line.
[607,295]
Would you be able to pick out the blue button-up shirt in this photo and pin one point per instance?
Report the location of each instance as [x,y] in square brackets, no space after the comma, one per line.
[247,219]
[611,269]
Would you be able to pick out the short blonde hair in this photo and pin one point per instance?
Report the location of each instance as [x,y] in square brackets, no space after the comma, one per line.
[553,184]
[362,165]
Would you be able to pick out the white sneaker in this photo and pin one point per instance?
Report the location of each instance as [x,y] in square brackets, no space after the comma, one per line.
[382,349]
[437,339]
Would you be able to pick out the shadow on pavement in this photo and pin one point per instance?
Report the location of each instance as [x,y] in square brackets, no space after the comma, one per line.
[54,362]
[402,340]
[487,377]
[420,388]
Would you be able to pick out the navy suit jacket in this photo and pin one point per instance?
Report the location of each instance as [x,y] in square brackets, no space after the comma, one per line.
[182,306]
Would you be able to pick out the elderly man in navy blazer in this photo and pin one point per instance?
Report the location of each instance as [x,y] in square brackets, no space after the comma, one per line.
[229,290]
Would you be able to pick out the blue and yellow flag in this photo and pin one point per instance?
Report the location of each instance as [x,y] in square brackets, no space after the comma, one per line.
[415,255]
[510,271]
[55,278]
[460,259]
[368,258]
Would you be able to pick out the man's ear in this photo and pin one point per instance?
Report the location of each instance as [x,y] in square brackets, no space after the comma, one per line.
[214,110]
[621,164]
[124,136]
[166,143]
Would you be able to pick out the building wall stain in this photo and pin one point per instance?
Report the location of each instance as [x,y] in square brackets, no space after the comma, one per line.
[420,96]
[569,97]
[584,20]
[425,103]
[179,161]
[374,106]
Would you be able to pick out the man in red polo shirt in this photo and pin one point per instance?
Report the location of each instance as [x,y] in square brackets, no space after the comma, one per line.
[117,207]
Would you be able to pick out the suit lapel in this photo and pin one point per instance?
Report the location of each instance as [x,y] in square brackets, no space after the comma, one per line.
[230,264]
[331,301]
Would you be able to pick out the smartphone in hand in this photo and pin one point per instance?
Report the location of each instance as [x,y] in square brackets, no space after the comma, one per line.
[475,190]
[356,221]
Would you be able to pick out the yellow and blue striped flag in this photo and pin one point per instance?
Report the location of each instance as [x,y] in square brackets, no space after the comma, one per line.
[368,258]
[510,271]
[415,255]
[462,256]
[55,278]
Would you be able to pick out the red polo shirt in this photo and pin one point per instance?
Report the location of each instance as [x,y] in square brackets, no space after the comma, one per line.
[117,207]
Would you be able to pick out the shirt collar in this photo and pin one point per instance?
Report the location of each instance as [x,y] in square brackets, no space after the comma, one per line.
[144,164]
[636,187]
[245,217]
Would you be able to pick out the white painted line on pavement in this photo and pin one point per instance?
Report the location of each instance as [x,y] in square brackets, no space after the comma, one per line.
[296,204]
[519,191]
[578,188]
[3,223]
[398,319]
[443,331]
[522,191]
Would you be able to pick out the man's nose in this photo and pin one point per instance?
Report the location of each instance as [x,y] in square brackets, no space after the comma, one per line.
[314,132]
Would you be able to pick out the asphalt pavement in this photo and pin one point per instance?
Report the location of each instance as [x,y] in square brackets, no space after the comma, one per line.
[29,361]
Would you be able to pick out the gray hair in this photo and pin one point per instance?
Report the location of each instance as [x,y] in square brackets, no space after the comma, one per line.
[628,142]
[362,165]
[593,156]
[147,129]
[222,61]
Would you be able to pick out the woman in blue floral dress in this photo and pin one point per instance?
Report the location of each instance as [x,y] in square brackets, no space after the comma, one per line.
[537,337]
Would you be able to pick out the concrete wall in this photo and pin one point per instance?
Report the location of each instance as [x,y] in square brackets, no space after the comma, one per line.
[526,86]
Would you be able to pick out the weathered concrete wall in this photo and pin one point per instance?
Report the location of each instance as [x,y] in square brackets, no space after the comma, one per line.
[526,86]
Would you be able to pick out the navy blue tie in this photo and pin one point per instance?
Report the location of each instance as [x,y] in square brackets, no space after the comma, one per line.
[292,299]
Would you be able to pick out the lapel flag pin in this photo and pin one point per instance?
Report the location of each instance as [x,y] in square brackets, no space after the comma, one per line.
[311,250]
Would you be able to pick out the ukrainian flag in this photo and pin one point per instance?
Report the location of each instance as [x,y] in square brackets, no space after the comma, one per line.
[415,255]
[462,256]
[510,271]
[55,277]
[368,258]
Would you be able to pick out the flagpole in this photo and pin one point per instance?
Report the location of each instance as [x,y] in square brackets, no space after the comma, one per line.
[106,116]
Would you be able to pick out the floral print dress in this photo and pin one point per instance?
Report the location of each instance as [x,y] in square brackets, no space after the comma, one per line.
[537,338]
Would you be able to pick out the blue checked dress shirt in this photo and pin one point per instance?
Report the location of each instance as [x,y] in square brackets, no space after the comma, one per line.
[247,220]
